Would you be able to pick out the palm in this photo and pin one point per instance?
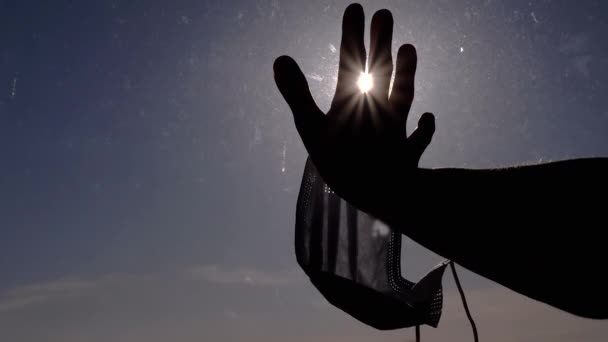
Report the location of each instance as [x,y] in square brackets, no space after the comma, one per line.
[360,147]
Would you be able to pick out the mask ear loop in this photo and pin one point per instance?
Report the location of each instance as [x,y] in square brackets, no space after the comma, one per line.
[464,304]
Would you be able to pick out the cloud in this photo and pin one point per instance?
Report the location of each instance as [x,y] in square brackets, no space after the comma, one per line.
[27,295]
[195,303]
[503,315]
[73,287]
[66,288]
[243,276]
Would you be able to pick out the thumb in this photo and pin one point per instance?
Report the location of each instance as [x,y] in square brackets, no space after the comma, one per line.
[422,136]
[293,86]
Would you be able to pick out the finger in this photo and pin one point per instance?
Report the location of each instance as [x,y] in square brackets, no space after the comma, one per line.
[402,94]
[292,84]
[422,136]
[380,58]
[352,54]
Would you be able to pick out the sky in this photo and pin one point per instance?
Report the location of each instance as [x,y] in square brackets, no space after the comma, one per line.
[149,167]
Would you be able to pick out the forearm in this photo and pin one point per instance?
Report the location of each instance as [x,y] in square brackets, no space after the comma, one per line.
[505,205]
[538,230]
[548,193]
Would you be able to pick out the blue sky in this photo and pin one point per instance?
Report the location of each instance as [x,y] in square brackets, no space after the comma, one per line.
[150,166]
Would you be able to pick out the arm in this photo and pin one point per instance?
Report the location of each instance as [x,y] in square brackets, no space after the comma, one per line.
[538,229]
[568,191]
[535,229]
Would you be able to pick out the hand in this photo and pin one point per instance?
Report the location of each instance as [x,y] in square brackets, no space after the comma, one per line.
[360,147]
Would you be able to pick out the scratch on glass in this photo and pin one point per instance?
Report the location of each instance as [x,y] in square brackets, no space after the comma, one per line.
[14,88]
[284,154]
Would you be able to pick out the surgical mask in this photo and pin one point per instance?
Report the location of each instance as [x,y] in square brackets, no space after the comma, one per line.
[354,261]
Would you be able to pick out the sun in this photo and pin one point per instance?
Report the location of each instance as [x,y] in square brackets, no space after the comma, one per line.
[366,82]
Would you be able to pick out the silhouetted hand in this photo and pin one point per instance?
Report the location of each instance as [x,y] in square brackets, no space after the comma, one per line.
[360,147]
[498,223]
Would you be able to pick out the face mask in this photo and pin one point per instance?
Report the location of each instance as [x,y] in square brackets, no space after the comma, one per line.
[354,262]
